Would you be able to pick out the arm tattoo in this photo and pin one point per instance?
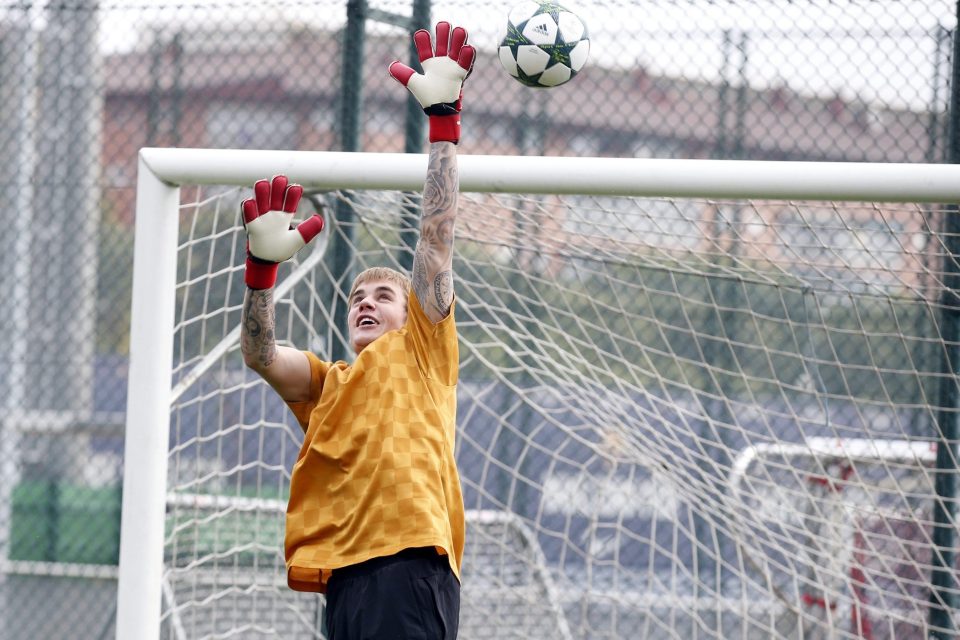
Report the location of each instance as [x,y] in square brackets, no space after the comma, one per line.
[433,260]
[443,288]
[419,281]
[441,186]
[257,334]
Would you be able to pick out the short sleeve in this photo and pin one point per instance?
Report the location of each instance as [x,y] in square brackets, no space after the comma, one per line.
[318,371]
[436,345]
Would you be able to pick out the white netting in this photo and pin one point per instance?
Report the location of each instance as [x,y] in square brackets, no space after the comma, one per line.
[676,418]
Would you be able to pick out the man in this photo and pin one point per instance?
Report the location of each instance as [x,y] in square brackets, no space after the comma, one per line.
[375,517]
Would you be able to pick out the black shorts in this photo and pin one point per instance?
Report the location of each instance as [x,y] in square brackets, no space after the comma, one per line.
[412,595]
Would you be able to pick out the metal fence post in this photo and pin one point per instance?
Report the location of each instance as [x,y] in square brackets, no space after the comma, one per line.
[943,596]
[351,101]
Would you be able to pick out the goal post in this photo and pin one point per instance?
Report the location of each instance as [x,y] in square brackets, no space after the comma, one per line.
[757,179]
[148,405]
[621,440]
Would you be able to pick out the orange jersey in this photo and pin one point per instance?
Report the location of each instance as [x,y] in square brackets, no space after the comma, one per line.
[376,473]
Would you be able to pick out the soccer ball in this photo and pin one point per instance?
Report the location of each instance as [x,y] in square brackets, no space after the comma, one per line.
[545,44]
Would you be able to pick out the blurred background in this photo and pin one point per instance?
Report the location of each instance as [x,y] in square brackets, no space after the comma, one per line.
[84,84]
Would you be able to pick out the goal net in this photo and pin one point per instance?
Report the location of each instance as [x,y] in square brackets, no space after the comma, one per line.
[678,415]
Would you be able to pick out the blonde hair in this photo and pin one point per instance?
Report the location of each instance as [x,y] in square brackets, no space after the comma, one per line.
[376,274]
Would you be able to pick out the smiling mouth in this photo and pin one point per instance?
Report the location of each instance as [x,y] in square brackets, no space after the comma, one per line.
[367,322]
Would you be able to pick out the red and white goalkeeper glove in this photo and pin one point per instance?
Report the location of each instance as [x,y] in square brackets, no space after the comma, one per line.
[439,88]
[271,238]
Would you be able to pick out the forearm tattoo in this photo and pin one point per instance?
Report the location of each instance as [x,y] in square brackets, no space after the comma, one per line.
[257,334]
[440,190]
[433,261]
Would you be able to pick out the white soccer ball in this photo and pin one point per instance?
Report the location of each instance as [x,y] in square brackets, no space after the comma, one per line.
[545,44]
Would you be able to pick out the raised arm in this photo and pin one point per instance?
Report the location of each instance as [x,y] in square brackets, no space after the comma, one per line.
[439,90]
[433,260]
[285,369]
[271,239]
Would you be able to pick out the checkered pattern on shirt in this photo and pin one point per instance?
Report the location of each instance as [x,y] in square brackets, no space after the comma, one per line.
[376,473]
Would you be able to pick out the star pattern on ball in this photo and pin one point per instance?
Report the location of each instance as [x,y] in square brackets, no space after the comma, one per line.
[514,38]
[560,52]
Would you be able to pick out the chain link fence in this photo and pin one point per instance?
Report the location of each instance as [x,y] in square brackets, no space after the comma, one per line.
[84,84]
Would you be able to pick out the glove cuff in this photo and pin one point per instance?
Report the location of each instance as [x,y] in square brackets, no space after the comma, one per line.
[445,128]
[260,274]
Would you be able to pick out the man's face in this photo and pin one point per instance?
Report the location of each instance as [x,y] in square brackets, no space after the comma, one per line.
[377,306]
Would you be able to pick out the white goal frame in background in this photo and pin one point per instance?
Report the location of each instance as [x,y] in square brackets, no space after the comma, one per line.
[161,171]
